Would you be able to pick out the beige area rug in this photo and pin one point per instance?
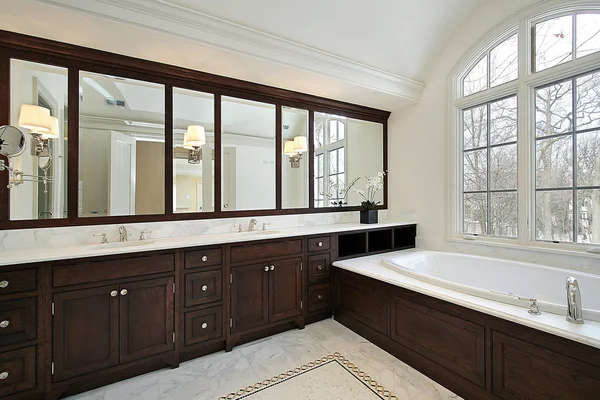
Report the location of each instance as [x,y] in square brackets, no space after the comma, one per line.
[332,377]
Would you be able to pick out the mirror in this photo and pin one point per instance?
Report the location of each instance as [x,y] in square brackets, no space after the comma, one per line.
[12,141]
[294,168]
[346,152]
[38,106]
[248,155]
[121,146]
[193,167]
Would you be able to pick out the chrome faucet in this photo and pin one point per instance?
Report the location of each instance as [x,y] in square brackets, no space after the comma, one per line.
[122,234]
[252,224]
[574,308]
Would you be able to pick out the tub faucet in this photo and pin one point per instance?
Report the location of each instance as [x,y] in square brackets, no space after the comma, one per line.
[574,309]
[122,234]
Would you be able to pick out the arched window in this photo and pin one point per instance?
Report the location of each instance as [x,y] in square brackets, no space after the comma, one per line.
[330,160]
[527,131]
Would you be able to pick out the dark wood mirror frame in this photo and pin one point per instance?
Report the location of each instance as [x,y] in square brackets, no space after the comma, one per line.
[76,58]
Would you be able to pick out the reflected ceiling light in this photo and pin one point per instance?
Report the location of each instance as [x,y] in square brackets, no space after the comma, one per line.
[294,149]
[193,140]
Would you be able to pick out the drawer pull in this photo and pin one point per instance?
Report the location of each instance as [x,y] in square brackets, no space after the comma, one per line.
[114,293]
[204,258]
[320,244]
[4,324]
[3,284]
[320,297]
[319,267]
[204,325]
[267,268]
[272,267]
[3,375]
[124,292]
[204,288]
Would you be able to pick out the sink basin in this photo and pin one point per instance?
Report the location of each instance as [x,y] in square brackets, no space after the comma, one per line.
[119,245]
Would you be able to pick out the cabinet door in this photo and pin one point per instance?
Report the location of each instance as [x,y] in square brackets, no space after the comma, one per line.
[285,289]
[249,296]
[86,331]
[146,318]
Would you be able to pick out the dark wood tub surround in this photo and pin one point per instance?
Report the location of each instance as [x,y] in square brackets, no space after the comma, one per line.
[475,355]
[83,323]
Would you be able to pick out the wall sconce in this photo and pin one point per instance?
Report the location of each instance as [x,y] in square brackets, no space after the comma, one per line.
[41,126]
[294,149]
[193,140]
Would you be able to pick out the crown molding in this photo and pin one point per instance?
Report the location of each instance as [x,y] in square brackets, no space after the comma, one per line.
[166,17]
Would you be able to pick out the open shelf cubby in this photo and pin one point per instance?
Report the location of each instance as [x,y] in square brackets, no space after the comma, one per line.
[380,240]
[404,237]
[352,244]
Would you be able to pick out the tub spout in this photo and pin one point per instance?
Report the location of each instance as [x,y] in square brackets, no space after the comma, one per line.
[574,308]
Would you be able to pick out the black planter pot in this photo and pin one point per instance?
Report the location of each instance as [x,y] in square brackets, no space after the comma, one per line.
[369,216]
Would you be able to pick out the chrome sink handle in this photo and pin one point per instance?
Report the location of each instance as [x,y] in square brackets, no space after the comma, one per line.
[104,239]
[143,233]
[264,228]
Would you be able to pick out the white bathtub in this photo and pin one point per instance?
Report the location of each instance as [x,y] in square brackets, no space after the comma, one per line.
[482,277]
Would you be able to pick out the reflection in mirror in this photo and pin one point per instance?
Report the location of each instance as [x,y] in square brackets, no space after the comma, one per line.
[38,106]
[248,157]
[346,152]
[121,146]
[193,162]
[294,175]
[12,141]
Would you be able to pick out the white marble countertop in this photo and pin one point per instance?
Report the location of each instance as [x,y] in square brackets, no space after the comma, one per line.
[370,266]
[13,257]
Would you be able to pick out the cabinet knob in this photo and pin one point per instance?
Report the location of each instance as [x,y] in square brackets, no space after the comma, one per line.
[320,244]
[123,292]
[204,288]
[114,293]
[3,375]
[3,284]
[320,297]
[272,267]
[204,325]
[204,258]
[4,324]
[267,268]
[319,267]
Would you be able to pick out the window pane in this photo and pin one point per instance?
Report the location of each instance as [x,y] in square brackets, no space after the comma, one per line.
[554,160]
[588,212]
[554,215]
[504,214]
[333,162]
[475,127]
[319,165]
[503,167]
[554,109]
[475,213]
[504,61]
[477,79]
[341,131]
[588,101]
[588,34]
[341,160]
[553,42]
[332,131]
[475,171]
[588,159]
[503,121]
[319,135]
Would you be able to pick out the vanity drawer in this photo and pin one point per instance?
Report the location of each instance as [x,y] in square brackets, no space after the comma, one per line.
[203,258]
[203,287]
[18,368]
[319,268]
[17,281]
[203,325]
[319,243]
[319,297]
[253,252]
[118,268]
[17,320]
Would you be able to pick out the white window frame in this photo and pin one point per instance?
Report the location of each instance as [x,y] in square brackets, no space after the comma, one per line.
[523,87]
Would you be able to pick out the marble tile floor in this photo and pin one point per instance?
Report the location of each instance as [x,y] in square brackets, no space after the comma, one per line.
[216,375]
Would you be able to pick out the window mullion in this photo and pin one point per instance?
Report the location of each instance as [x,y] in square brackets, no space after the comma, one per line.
[574,154]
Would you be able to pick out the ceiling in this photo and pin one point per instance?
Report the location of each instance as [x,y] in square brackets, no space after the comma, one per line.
[374,53]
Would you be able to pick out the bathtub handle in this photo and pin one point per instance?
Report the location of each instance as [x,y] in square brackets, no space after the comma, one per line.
[533,308]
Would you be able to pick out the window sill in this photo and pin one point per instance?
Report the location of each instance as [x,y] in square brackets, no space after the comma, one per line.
[579,250]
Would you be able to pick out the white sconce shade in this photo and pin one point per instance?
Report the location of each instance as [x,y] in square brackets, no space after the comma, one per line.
[288,148]
[53,133]
[300,144]
[35,118]
[195,136]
